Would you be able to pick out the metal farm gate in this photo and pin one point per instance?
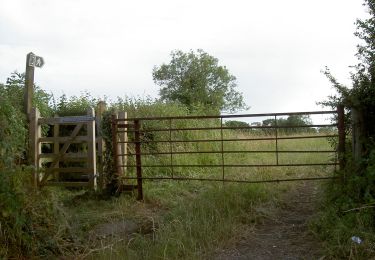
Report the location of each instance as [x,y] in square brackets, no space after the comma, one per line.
[219,148]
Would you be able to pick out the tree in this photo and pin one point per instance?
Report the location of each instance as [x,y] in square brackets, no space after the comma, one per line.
[195,79]
[14,91]
[292,120]
[359,100]
[13,124]
[361,95]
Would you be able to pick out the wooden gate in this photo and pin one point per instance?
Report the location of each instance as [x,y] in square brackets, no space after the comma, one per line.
[65,154]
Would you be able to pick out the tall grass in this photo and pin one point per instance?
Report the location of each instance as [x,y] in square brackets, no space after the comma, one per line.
[336,228]
[200,219]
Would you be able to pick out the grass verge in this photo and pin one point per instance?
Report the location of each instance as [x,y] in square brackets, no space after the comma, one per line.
[339,223]
[198,219]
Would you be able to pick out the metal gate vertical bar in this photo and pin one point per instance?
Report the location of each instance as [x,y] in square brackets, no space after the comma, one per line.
[222,148]
[276,140]
[170,146]
[138,158]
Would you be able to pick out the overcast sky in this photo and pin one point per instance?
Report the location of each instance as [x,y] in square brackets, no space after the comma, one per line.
[276,49]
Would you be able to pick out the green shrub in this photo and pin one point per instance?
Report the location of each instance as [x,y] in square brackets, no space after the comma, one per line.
[12,132]
[32,223]
[74,105]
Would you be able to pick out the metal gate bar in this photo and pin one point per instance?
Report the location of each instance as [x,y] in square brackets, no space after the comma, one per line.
[134,127]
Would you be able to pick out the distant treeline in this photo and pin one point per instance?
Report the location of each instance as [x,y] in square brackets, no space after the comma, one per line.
[293,124]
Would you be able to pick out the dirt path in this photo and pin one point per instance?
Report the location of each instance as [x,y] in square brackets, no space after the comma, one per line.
[285,234]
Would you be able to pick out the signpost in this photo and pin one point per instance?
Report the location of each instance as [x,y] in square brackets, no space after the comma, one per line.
[32,61]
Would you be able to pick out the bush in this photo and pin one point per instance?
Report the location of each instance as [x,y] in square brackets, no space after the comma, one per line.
[32,223]
[12,132]
[74,105]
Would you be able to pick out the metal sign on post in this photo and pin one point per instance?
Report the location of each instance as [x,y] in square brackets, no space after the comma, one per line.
[35,61]
[32,61]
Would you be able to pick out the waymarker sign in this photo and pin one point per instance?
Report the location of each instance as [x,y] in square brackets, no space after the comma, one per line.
[36,61]
[32,61]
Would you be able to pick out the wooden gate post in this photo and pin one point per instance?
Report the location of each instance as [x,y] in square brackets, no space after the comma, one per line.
[34,145]
[115,146]
[357,134]
[56,149]
[341,132]
[123,145]
[101,108]
[29,86]
[91,150]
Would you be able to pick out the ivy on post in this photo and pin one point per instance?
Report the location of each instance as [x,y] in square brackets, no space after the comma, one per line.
[341,133]
[101,108]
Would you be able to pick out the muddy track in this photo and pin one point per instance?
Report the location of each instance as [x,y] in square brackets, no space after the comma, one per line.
[283,234]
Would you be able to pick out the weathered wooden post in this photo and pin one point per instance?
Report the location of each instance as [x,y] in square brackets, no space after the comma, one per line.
[29,84]
[123,144]
[32,61]
[101,108]
[35,145]
[91,150]
[56,149]
[115,147]
[341,133]
[357,134]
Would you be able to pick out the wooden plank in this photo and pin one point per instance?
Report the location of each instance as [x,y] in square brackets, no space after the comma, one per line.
[69,120]
[68,184]
[64,156]
[70,170]
[63,139]
[81,160]
[91,149]
[70,157]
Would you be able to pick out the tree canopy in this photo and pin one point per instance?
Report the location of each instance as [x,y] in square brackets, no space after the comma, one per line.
[195,79]
[361,94]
